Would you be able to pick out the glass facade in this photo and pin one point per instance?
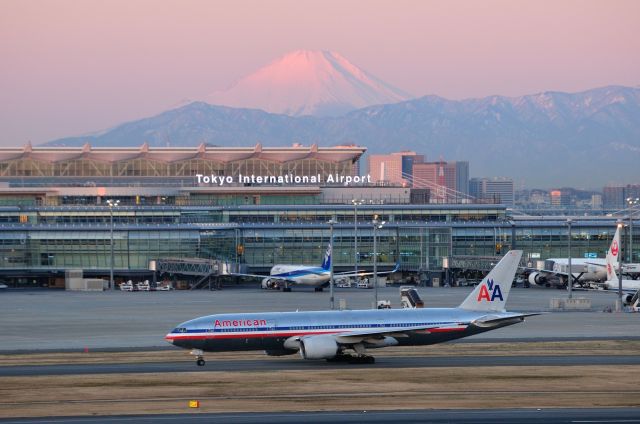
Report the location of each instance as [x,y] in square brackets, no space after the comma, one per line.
[54,239]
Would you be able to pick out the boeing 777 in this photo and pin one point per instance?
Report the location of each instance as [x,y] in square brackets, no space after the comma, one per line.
[328,334]
[629,287]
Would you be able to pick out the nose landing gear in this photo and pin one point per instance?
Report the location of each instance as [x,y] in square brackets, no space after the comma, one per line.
[199,354]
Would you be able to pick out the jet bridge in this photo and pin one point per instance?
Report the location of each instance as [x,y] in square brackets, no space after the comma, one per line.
[206,269]
[480,263]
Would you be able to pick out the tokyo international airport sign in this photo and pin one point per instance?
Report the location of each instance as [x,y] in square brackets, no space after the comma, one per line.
[287,179]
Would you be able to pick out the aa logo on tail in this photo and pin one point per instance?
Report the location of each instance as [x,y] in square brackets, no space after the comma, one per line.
[490,288]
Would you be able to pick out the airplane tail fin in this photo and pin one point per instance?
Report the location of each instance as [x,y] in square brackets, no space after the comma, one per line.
[492,293]
[612,256]
[326,262]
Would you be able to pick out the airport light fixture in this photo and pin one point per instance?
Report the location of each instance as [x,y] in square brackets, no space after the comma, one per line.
[569,271]
[356,203]
[620,227]
[632,202]
[332,302]
[112,204]
[377,224]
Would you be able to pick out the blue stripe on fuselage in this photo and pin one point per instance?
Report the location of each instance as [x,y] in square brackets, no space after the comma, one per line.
[301,272]
[322,327]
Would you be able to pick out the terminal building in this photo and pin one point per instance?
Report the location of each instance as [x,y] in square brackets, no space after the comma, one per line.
[54,214]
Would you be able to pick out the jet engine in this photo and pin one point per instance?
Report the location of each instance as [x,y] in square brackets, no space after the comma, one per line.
[537,279]
[269,284]
[627,298]
[318,347]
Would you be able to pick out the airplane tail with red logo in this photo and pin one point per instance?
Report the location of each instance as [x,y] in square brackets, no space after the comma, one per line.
[612,256]
[492,293]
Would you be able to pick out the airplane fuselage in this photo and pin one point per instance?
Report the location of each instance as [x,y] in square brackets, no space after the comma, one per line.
[271,331]
[314,276]
[627,285]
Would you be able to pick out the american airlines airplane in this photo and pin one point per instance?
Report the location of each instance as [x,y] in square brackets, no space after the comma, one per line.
[328,334]
[305,275]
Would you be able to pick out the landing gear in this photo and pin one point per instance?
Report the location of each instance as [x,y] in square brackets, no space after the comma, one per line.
[363,359]
[318,289]
[199,354]
[286,289]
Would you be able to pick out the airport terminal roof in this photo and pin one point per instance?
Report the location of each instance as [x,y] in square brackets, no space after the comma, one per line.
[176,154]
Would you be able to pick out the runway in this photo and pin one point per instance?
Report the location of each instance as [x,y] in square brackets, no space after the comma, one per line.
[295,363]
[57,320]
[485,416]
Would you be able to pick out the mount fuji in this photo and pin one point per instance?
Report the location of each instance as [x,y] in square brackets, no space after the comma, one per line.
[308,82]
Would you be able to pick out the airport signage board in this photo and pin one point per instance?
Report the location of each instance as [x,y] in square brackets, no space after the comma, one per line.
[590,255]
[535,255]
[288,179]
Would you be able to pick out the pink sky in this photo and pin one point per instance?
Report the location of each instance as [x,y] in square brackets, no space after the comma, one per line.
[71,67]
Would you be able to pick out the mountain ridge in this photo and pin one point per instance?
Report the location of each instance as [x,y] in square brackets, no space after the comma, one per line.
[549,138]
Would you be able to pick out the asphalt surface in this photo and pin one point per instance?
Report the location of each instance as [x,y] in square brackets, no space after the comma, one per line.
[299,364]
[471,416]
[59,320]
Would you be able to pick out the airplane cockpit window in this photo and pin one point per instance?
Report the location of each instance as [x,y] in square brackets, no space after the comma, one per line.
[180,330]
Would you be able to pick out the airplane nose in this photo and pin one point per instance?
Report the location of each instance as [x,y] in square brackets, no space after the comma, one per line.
[169,338]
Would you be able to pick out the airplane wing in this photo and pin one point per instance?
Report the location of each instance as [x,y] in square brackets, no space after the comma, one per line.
[360,336]
[364,274]
[373,335]
[546,271]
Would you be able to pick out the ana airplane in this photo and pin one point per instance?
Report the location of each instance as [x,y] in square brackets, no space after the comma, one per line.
[629,287]
[328,334]
[282,276]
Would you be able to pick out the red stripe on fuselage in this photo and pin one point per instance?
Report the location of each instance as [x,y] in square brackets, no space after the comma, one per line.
[254,335]
[248,335]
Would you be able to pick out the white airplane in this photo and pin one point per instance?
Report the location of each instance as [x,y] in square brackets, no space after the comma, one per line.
[629,287]
[282,276]
[556,271]
[595,270]
[328,334]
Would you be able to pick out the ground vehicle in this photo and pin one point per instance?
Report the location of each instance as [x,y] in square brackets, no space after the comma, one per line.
[343,283]
[364,284]
[165,286]
[128,286]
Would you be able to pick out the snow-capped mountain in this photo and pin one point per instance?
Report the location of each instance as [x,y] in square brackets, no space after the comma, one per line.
[308,82]
[584,139]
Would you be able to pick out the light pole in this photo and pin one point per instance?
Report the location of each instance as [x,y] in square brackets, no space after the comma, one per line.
[331,223]
[569,271]
[356,203]
[377,224]
[112,203]
[620,226]
[632,202]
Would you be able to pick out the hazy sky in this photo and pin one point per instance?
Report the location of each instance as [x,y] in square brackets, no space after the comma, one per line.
[72,67]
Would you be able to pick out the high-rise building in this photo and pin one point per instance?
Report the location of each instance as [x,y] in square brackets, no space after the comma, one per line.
[615,197]
[560,198]
[448,181]
[494,190]
[394,168]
